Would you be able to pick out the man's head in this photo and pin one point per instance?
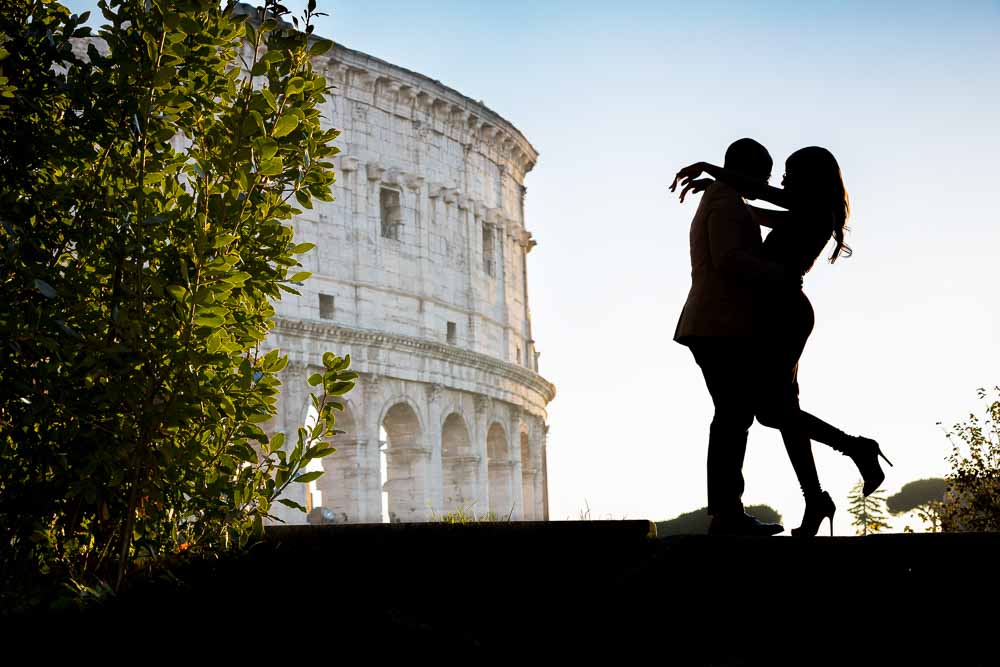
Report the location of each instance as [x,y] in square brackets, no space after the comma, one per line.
[750,159]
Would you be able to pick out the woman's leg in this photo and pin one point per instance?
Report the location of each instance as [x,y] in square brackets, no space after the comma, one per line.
[778,398]
[826,433]
[783,413]
[799,450]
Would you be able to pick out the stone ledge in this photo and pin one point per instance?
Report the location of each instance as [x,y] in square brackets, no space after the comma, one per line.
[426,348]
[572,590]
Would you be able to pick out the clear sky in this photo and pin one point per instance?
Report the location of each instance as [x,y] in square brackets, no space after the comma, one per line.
[618,96]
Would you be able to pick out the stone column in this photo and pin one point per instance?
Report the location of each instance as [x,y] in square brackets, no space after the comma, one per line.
[407,486]
[368,421]
[544,481]
[501,476]
[432,436]
[529,477]
[517,470]
[478,436]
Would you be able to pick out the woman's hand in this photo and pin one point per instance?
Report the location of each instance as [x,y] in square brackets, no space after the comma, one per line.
[695,186]
[687,174]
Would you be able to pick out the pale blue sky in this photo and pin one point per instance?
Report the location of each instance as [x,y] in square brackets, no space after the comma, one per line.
[618,96]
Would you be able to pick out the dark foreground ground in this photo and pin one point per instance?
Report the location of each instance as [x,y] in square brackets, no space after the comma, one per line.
[573,592]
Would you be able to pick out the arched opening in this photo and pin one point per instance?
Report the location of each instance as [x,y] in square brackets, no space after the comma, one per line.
[338,487]
[458,467]
[314,496]
[499,467]
[404,465]
[527,479]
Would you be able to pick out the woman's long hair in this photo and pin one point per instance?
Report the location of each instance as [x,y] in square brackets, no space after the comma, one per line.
[814,175]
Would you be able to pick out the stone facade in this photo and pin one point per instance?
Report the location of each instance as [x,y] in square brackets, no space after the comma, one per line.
[420,274]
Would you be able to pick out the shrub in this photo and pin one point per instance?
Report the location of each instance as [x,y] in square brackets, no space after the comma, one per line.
[147,185]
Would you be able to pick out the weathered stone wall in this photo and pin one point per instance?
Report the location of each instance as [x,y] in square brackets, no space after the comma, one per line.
[420,275]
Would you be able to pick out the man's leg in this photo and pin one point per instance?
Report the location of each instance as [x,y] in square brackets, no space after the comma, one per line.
[724,364]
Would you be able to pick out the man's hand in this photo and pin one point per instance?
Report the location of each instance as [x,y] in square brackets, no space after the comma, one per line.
[687,174]
[695,186]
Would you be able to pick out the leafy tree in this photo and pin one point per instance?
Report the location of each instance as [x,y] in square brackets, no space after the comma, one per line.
[924,496]
[697,522]
[972,501]
[147,184]
[915,494]
[869,512]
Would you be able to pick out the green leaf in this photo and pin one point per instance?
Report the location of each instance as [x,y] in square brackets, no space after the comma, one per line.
[267,149]
[285,125]
[271,167]
[269,98]
[222,240]
[320,47]
[254,124]
[153,178]
[277,440]
[315,379]
[330,359]
[273,56]
[291,503]
[306,477]
[213,343]
[190,26]
[300,276]
[295,85]
[339,388]
[302,247]
[208,319]
[163,76]
[205,296]
[303,198]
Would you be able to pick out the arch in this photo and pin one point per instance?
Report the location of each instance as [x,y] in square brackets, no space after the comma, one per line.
[500,472]
[496,443]
[404,469]
[394,402]
[459,466]
[455,439]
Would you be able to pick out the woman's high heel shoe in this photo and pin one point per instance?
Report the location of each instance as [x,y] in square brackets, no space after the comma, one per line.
[821,507]
[865,452]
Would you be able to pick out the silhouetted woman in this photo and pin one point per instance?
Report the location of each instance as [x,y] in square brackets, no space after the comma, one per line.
[817,209]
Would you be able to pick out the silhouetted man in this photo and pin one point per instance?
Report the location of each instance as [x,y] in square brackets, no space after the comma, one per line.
[716,324]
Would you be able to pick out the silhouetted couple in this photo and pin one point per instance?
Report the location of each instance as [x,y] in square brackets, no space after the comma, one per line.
[746,320]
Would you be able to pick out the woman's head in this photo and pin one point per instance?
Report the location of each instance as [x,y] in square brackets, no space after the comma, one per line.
[813,176]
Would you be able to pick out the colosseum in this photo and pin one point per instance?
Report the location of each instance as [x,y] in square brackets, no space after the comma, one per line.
[420,274]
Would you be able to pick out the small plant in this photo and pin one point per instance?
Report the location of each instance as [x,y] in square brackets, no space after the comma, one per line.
[870,514]
[972,501]
[466,515]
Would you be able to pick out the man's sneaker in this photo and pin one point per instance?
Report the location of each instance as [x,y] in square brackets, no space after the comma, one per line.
[742,525]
